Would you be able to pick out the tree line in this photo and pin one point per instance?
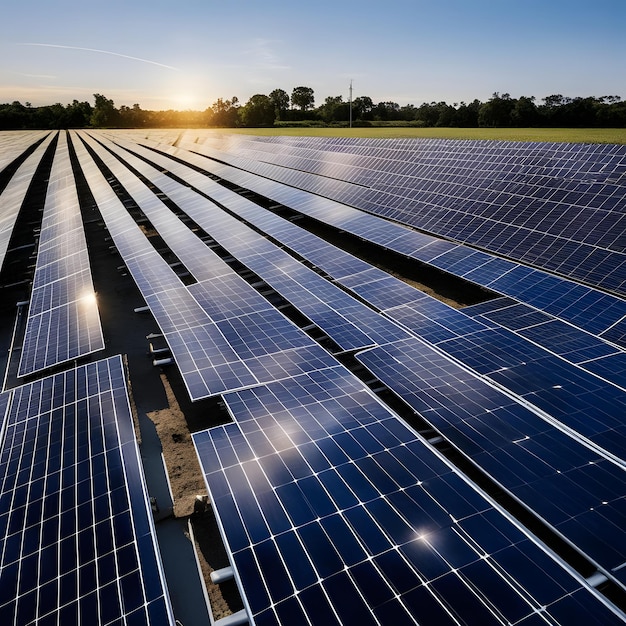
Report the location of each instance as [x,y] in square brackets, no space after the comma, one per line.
[278,107]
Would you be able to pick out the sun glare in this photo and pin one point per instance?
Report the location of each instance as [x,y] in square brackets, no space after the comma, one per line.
[89,298]
[185,101]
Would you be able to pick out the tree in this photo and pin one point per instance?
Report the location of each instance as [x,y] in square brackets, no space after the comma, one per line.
[335,109]
[104,112]
[258,111]
[303,98]
[524,114]
[280,100]
[496,111]
[362,107]
[386,111]
[224,112]
[466,115]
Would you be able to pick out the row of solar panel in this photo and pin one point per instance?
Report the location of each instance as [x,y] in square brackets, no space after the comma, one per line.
[591,310]
[252,343]
[335,512]
[460,412]
[567,221]
[12,196]
[63,321]
[77,540]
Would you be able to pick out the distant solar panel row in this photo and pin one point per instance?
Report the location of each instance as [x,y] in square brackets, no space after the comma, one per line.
[77,542]
[250,344]
[348,322]
[555,206]
[14,193]
[63,321]
[14,144]
[336,513]
[594,311]
[488,352]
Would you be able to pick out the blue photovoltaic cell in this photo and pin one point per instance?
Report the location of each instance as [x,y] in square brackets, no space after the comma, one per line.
[333,511]
[564,482]
[76,532]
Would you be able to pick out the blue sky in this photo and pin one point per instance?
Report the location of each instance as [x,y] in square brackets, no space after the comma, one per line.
[186,54]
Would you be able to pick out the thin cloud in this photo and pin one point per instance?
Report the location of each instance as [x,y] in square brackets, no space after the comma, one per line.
[115,54]
[43,76]
[262,52]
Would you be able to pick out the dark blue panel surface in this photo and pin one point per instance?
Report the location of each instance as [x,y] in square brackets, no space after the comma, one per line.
[84,529]
[521,451]
[375,520]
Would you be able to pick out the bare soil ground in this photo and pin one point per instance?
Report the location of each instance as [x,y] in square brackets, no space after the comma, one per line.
[186,482]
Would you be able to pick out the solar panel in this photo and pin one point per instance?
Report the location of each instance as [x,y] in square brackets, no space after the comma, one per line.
[559,218]
[77,540]
[13,194]
[335,512]
[209,351]
[63,321]
[524,453]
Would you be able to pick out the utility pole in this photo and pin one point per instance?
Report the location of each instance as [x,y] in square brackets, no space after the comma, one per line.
[350,103]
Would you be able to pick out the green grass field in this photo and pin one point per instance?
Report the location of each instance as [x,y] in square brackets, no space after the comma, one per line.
[571,135]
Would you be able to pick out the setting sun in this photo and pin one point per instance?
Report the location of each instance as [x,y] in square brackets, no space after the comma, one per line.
[186,101]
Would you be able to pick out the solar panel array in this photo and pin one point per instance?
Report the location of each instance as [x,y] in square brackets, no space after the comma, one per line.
[63,321]
[336,513]
[332,508]
[556,206]
[77,541]
[592,310]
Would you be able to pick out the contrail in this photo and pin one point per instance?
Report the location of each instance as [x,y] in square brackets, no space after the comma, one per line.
[115,54]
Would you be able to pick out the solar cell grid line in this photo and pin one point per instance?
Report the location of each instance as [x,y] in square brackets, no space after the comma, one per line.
[334,511]
[77,538]
[211,352]
[13,195]
[63,321]
[523,453]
